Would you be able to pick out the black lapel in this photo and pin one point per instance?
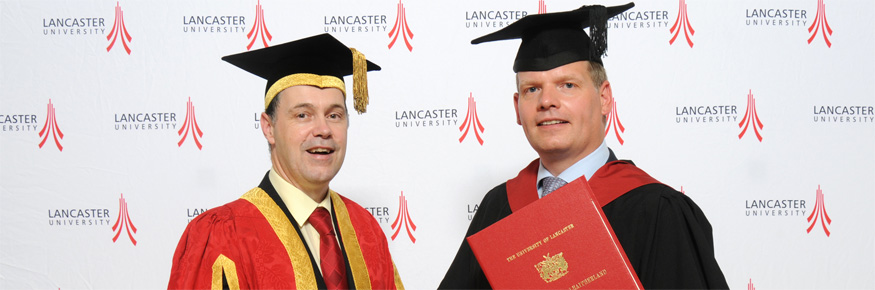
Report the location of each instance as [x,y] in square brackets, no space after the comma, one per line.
[612,157]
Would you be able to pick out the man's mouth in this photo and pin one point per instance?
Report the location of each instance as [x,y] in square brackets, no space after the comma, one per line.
[321,151]
[552,122]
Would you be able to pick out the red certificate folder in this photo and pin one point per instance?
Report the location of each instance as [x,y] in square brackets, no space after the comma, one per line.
[562,241]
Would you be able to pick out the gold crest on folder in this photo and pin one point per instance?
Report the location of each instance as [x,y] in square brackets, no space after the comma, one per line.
[552,268]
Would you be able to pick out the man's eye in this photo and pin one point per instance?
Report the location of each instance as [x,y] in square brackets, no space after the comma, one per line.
[569,85]
[532,90]
[301,115]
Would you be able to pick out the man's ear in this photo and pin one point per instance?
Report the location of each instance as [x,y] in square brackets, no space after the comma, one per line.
[606,98]
[267,128]
[516,107]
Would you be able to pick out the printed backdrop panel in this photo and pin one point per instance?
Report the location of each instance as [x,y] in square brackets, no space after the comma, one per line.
[119,124]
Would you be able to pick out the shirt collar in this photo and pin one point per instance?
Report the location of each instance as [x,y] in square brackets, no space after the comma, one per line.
[585,167]
[300,205]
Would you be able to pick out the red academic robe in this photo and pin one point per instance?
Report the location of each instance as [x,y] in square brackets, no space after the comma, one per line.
[253,243]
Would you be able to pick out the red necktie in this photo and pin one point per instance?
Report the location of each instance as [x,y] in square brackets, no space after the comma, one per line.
[333,267]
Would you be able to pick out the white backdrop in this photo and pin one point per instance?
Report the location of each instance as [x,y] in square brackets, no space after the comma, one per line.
[682,103]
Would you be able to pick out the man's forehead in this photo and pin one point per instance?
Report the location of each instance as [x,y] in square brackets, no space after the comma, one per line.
[571,70]
[305,94]
[308,90]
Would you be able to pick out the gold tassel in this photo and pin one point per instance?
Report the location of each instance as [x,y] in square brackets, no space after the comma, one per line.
[359,81]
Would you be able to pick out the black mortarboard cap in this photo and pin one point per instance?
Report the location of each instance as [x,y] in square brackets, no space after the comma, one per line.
[319,60]
[554,39]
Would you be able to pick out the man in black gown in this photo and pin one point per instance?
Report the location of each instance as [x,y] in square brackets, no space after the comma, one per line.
[562,98]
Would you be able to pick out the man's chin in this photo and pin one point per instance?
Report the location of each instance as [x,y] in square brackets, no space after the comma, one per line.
[323,175]
[551,148]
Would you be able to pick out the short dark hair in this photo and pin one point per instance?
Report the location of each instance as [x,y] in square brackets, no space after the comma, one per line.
[597,73]
[271,112]
[271,108]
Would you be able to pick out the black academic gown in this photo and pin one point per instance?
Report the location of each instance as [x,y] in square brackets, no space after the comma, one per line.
[664,233]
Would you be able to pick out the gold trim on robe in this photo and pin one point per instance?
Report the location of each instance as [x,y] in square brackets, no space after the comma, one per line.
[398,284]
[304,275]
[351,244]
[226,265]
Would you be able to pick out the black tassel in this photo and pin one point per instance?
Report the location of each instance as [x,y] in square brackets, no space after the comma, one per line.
[598,32]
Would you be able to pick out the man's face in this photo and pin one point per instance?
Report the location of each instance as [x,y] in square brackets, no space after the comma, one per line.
[561,111]
[308,135]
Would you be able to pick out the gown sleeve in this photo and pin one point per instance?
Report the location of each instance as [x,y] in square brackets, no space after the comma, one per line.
[667,238]
[465,271]
[205,257]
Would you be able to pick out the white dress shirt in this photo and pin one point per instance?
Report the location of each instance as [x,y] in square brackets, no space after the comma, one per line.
[585,167]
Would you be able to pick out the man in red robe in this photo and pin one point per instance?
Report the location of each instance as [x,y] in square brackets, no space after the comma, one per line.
[562,100]
[293,231]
